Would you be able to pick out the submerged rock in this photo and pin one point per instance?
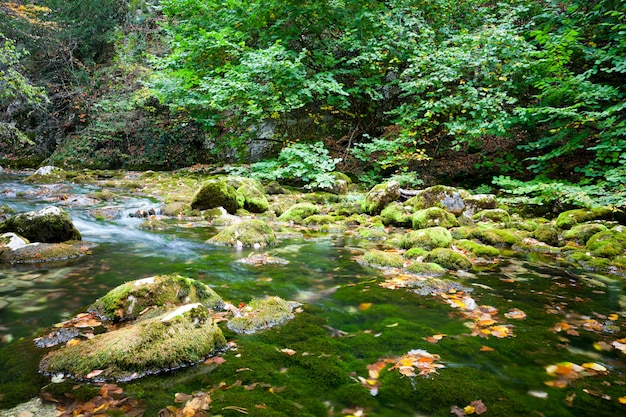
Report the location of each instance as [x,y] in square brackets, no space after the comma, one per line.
[129,300]
[215,193]
[177,338]
[48,225]
[261,314]
[41,252]
[380,196]
[248,233]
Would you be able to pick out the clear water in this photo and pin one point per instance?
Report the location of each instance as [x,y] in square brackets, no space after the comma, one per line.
[322,377]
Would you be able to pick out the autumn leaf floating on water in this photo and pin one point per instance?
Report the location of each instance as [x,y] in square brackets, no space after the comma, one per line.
[416,362]
[109,401]
[567,372]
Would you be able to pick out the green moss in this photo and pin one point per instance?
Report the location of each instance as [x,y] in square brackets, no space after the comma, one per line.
[126,301]
[49,225]
[261,314]
[252,199]
[395,214]
[497,237]
[299,212]
[432,237]
[153,224]
[449,259]
[433,216]
[569,218]
[547,233]
[146,347]
[382,258]
[372,233]
[414,253]
[581,233]
[380,196]
[525,225]
[477,248]
[492,215]
[215,193]
[426,268]
[318,219]
[463,232]
[247,233]
[41,252]
[615,236]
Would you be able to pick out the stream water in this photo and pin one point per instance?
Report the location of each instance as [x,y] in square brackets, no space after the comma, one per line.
[317,364]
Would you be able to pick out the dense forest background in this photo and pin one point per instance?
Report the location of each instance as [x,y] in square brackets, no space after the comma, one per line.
[524,96]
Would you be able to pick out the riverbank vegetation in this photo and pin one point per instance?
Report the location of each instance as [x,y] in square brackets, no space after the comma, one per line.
[520,96]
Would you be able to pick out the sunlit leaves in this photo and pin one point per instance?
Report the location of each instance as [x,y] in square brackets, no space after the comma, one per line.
[567,372]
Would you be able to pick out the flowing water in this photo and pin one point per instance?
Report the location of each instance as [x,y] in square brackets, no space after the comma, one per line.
[317,364]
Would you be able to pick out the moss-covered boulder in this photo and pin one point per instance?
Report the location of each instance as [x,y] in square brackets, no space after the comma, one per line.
[380,196]
[298,212]
[426,268]
[41,252]
[396,214]
[477,202]
[318,220]
[338,185]
[547,233]
[432,217]
[184,336]
[379,258]
[261,314]
[371,233]
[430,238]
[449,259]
[448,198]
[252,199]
[215,193]
[581,233]
[248,233]
[416,253]
[127,301]
[48,225]
[274,188]
[609,243]
[47,175]
[176,208]
[477,248]
[492,215]
[569,218]
[497,237]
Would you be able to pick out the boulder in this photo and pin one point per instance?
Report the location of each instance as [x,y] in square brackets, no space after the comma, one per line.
[175,208]
[581,233]
[448,198]
[449,259]
[379,258]
[569,218]
[476,248]
[609,243]
[492,215]
[396,214]
[478,202]
[127,301]
[11,241]
[40,252]
[432,217]
[46,175]
[215,193]
[262,313]
[180,337]
[426,268]
[252,199]
[430,238]
[339,184]
[48,225]
[380,196]
[248,233]
[299,212]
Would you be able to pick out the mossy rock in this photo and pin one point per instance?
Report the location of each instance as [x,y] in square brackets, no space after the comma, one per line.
[581,233]
[442,196]
[261,314]
[569,218]
[432,217]
[348,208]
[463,232]
[48,225]
[395,214]
[175,208]
[339,184]
[371,233]
[299,212]
[169,341]
[479,202]
[379,258]
[547,233]
[215,193]
[238,182]
[248,233]
[47,175]
[321,197]
[153,224]
[524,225]
[415,253]
[449,259]
[252,199]
[274,188]
[497,237]
[126,301]
[426,268]
[430,238]
[6,211]
[609,243]
[380,196]
[588,262]
[492,215]
[318,219]
[477,248]
[41,252]
[333,228]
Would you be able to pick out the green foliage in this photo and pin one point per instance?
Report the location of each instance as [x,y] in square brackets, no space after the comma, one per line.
[297,163]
